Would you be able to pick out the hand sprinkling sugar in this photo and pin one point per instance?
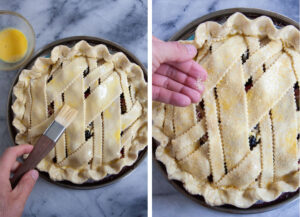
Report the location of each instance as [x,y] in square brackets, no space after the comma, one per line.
[176,78]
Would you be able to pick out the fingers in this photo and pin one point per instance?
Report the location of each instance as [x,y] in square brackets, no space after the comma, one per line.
[170,97]
[191,68]
[179,76]
[167,83]
[10,156]
[25,185]
[172,51]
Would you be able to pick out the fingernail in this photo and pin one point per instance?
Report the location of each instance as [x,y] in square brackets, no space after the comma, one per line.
[191,49]
[34,174]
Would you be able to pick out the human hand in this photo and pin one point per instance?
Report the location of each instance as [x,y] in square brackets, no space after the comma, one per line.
[12,201]
[175,77]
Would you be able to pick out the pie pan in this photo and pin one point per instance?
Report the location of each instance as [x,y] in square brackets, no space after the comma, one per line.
[45,51]
[187,33]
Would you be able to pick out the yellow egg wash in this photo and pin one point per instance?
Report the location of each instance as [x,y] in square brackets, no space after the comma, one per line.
[118,135]
[13,45]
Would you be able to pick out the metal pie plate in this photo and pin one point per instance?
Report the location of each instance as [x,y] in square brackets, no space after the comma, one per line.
[187,33]
[45,52]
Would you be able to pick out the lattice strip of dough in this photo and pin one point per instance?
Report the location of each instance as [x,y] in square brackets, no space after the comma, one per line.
[90,81]
[215,153]
[112,131]
[74,97]
[197,163]
[233,115]
[80,157]
[39,106]
[92,63]
[28,104]
[266,148]
[215,45]
[61,81]
[296,61]
[185,143]
[129,134]
[129,117]
[284,120]
[56,67]
[241,179]
[266,145]
[261,97]
[256,60]
[102,72]
[222,59]
[97,143]
[168,124]
[40,128]
[60,147]
[202,52]
[39,102]
[132,94]
[204,58]
[252,44]
[125,88]
[185,118]
[265,129]
[102,97]
[158,110]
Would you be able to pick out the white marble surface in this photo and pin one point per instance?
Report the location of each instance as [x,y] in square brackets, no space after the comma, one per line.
[169,17]
[124,22]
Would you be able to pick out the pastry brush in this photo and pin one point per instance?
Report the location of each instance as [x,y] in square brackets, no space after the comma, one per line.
[46,142]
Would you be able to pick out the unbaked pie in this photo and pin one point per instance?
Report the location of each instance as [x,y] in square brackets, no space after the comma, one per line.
[240,144]
[110,94]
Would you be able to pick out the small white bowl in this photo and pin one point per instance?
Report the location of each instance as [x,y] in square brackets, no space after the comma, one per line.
[10,19]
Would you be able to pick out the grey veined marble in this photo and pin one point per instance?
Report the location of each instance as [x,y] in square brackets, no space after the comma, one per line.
[124,22]
[169,17]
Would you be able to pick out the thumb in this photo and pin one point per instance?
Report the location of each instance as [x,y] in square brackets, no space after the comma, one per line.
[173,51]
[25,185]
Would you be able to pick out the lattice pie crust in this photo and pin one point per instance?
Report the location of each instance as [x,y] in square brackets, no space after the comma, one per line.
[253,77]
[110,94]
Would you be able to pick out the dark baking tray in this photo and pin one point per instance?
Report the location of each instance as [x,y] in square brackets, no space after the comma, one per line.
[45,51]
[187,33]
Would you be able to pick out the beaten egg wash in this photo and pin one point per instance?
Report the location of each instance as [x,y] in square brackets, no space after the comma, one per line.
[13,45]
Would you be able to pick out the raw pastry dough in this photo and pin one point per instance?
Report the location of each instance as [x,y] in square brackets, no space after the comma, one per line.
[244,148]
[110,95]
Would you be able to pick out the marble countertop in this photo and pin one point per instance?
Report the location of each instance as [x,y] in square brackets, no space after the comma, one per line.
[168,18]
[112,20]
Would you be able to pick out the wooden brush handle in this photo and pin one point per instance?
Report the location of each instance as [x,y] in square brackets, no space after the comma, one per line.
[43,146]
